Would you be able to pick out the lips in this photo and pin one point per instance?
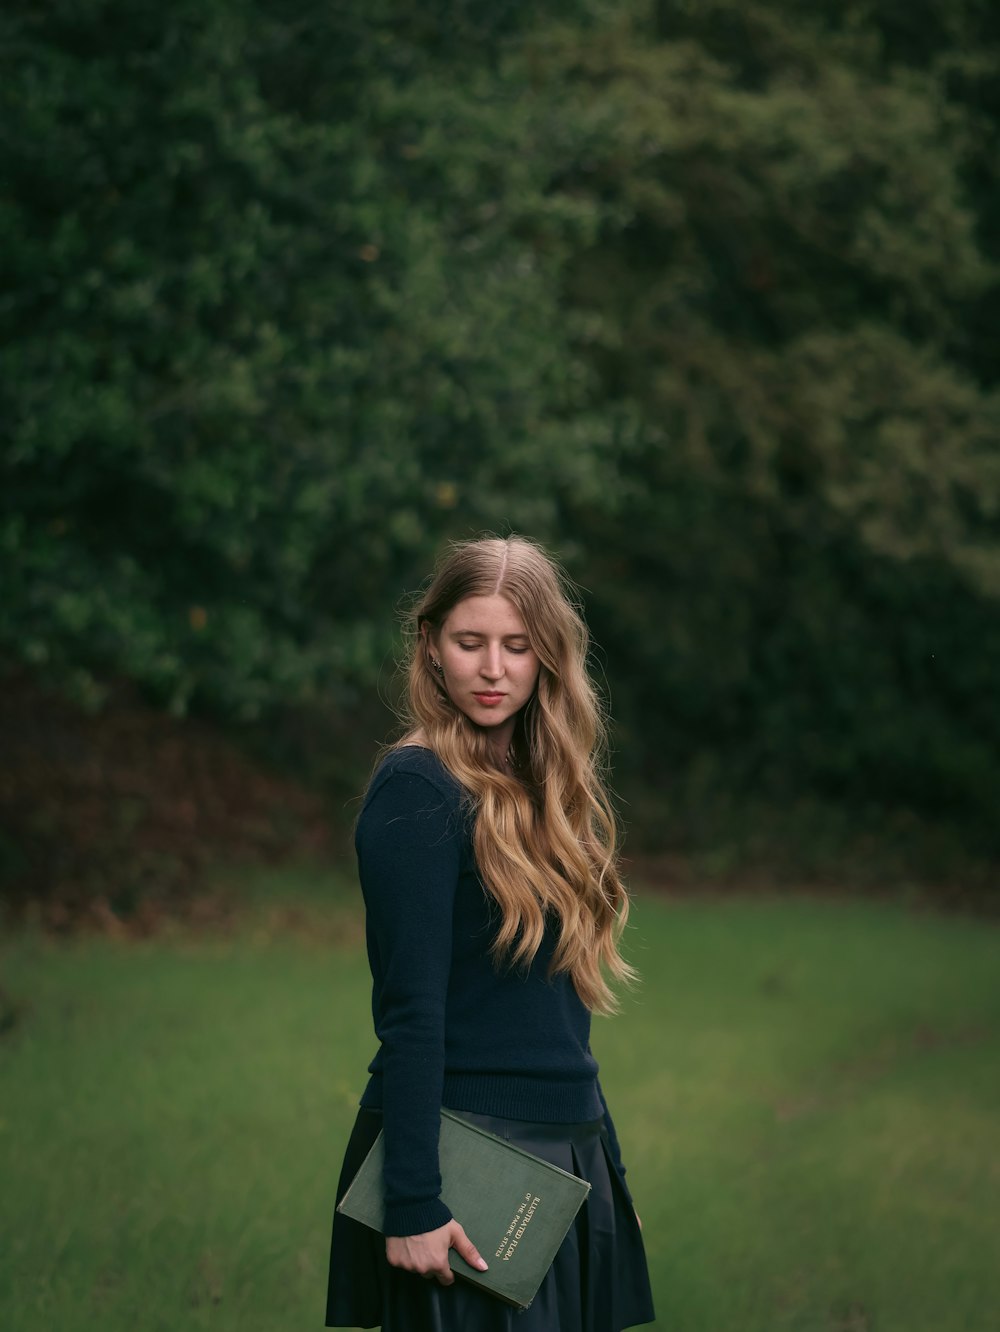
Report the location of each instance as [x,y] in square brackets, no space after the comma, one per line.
[489,700]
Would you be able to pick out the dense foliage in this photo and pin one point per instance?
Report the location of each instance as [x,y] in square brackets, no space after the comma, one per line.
[702,294]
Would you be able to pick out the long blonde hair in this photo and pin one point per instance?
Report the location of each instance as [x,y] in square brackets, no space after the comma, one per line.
[545,839]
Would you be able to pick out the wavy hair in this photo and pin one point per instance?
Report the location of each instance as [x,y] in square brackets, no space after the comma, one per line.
[545,835]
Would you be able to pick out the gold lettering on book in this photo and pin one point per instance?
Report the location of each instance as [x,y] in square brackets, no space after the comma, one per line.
[517,1227]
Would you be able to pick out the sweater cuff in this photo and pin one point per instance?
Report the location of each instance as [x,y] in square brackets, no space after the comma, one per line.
[415,1218]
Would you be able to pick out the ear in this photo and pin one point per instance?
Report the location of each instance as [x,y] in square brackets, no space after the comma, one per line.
[427,634]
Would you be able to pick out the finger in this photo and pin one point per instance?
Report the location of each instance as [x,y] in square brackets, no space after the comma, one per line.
[467,1250]
[446,1277]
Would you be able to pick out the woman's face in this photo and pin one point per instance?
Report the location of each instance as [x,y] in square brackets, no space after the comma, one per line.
[490,667]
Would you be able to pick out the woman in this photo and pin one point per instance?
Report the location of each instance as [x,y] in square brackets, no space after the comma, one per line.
[486,852]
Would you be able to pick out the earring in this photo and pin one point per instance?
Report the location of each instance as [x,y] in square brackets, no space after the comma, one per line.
[438,667]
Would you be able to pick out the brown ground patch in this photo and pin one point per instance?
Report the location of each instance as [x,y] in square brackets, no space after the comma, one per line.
[111,821]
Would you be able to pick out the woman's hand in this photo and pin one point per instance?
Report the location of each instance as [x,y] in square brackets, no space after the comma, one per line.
[638,1218]
[428,1253]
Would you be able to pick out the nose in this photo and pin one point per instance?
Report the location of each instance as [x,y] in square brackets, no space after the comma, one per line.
[492,667]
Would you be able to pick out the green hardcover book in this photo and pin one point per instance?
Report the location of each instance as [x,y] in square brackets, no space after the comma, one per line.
[515,1207]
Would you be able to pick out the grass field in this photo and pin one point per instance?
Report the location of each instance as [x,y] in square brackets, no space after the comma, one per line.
[807,1092]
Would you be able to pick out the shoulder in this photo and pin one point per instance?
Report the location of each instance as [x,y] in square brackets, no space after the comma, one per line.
[412,779]
[416,761]
[414,808]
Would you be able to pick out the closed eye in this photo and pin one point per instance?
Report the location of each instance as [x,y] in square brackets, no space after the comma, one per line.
[472,647]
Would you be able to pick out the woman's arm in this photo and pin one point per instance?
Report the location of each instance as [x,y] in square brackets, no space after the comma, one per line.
[616,1154]
[409,850]
[609,1125]
[409,858]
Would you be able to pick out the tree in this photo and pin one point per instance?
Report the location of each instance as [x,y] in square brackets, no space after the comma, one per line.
[272,336]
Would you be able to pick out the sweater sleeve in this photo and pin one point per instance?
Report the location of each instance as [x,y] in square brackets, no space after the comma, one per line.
[409,855]
[609,1126]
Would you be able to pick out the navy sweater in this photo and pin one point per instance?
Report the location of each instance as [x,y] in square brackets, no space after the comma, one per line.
[454,1032]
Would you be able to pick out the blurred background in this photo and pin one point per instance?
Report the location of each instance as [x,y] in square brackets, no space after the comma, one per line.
[703,295]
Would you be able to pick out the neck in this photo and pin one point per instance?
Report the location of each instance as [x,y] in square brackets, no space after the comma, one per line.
[500,738]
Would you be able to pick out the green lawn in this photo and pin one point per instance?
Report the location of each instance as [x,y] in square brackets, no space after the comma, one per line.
[807,1092]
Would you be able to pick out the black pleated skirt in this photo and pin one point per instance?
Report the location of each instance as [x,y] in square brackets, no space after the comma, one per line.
[599,1281]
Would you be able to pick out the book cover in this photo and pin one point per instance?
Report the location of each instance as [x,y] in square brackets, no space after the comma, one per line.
[515,1207]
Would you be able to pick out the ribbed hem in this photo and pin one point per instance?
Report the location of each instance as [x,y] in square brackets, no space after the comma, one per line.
[511,1097]
[415,1218]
